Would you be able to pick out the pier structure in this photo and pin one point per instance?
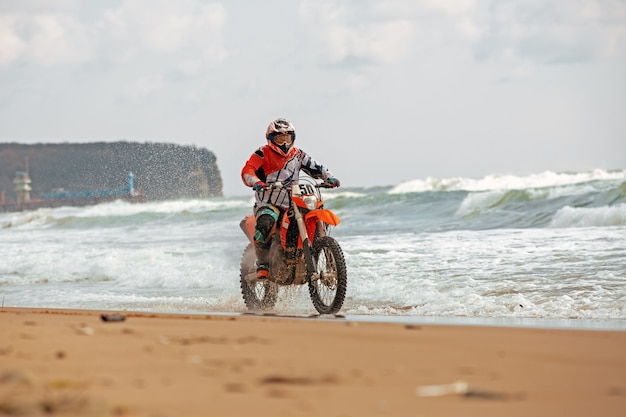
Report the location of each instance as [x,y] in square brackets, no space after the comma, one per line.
[22,188]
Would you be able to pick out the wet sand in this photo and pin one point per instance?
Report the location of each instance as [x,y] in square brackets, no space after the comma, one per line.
[68,362]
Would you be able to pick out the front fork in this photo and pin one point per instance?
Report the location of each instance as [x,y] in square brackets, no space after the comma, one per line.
[306,244]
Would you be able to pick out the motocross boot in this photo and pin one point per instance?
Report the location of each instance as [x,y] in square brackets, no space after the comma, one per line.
[264,228]
[262,260]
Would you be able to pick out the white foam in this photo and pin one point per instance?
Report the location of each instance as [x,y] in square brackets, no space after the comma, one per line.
[122,208]
[342,194]
[505,182]
[191,263]
[47,217]
[476,202]
[590,217]
[27,220]
[522,273]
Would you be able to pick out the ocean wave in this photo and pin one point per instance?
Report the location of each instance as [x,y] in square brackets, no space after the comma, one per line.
[66,215]
[122,208]
[28,220]
[476,203]
[343,194]
[590,217]
[506,182]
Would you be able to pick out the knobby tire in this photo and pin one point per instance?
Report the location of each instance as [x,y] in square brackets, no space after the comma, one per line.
[329,291]
[257,295]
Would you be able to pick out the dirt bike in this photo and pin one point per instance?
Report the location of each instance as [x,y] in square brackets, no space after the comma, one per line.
[311,257]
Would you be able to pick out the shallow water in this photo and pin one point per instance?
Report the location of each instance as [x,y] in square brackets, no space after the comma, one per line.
[548,249]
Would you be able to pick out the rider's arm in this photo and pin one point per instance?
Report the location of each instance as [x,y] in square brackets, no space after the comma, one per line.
[252,169]
[314,168]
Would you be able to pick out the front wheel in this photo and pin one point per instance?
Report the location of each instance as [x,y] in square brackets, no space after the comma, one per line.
[258,295]
[329,281]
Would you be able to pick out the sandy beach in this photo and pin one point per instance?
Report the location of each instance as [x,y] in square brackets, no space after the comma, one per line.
[72,362]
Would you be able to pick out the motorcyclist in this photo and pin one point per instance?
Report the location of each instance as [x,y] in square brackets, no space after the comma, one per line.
[279,160]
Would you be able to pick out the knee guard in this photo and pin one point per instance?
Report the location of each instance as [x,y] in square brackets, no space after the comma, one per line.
[265,222]
[264,225]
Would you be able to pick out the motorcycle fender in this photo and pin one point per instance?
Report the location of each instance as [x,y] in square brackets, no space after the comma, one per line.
[326,216]
[247,225]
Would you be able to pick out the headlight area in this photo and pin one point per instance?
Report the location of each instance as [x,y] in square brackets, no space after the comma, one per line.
[310,201]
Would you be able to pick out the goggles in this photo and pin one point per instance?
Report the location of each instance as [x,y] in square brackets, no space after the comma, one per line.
[283,139]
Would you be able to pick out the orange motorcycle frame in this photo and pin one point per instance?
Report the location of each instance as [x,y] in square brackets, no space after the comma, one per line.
[318,216]
[312,219]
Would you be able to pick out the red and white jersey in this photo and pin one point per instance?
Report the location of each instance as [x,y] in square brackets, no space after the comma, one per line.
[267,166]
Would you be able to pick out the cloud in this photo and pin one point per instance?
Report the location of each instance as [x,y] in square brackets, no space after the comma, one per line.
[135,27]
[353,35]
[521,35]
[165,26]
[413,8]
[377,43]
[42,39]
[189,30]
[551,32]
[142,87]
[11,45]
[453,7]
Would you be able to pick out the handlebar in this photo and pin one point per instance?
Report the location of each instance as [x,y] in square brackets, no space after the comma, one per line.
[324,184]
[277,185]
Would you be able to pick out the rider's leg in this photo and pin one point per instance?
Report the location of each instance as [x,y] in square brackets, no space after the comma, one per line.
[265,226]
[291,238]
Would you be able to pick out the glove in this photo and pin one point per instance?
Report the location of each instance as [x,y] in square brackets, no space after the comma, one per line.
[258,186]
[334,182]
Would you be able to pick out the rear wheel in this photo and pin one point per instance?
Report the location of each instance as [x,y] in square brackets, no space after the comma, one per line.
[329,281]
[258,295]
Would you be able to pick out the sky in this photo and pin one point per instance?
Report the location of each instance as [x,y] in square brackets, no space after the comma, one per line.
[380,91]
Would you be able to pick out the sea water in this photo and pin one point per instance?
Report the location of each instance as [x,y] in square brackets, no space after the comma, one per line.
[546,249]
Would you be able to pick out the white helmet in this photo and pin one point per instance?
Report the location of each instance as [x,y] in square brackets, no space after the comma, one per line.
[278,127]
